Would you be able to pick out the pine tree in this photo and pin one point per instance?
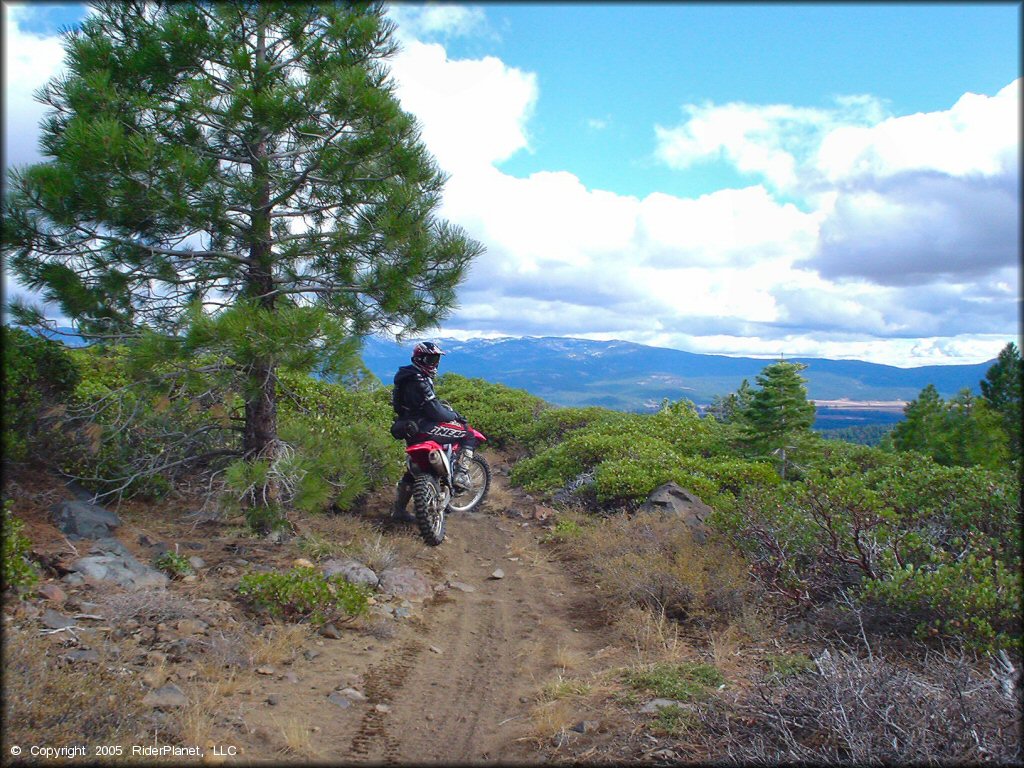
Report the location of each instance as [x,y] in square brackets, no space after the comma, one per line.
[1001,389]
[234,168]
[779,414]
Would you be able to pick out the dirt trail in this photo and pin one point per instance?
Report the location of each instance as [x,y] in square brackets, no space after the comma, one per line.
[457,683]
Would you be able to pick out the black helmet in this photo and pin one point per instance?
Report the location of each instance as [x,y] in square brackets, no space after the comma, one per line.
[426,357]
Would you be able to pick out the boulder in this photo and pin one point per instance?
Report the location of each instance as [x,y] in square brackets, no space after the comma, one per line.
[676,501]
[350,570]
[167,697]
[405,582]
[109,561]
[81,520]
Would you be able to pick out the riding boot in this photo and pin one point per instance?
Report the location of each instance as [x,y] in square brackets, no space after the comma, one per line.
[403,492]
[461,479]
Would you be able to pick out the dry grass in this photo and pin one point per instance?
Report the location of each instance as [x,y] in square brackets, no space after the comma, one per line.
[549,717]
[567,658]
[48,702]
[564,687]
[297,740]
[277,644]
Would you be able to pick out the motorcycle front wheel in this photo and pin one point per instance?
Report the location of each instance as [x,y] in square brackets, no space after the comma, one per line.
[479,472]
[429,502]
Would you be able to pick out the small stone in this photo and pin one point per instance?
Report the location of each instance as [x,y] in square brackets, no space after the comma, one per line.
[55,620]
[273,699]
[290,677]
[435,649]
[197,562]
[189,578]
[586,726]
[498,574]
[429,717]
[330,631]
[310,654]
[336,697]
[524,700]
[192,627]
[266,670]
[82,655]
[167,697]
[352,694]
[461,586]
[382,708]
[656,705]
[52,592]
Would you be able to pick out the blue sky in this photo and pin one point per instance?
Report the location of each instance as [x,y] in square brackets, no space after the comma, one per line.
[824,180]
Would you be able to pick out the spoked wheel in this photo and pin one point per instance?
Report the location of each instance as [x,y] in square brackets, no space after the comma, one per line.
[480,482]
[430,501]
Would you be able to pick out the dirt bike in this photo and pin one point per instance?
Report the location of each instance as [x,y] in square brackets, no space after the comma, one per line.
[434,494]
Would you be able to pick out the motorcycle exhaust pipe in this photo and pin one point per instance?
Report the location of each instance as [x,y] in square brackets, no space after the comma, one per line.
[437,462]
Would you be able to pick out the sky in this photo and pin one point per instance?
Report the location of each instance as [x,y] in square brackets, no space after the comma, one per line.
[835,180]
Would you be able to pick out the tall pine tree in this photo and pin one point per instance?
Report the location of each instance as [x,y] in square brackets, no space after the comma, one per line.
[778,414]
[239,168]
[1001,389]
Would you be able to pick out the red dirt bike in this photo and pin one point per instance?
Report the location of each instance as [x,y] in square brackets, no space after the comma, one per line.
[433,492]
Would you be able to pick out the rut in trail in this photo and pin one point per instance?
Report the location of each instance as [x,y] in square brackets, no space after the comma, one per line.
[459,681]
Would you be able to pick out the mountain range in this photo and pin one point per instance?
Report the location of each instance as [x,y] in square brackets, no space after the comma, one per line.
[634,377]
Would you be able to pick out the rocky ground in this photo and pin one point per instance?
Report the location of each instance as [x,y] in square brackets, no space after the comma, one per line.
[482,649]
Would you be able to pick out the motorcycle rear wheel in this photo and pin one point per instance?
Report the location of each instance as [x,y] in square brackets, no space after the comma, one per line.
[429,502]
[480,482]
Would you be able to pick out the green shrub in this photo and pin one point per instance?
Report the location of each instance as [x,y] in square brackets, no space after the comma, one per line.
[936,546]
[38,374]
[19,571]
[685,681]
[174,565]
[503,414]
[304,594]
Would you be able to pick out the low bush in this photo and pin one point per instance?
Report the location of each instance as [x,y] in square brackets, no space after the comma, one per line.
[20,573]
[849,710]
[38,374]
[304,594]
[934,547]
[505,415]
[685,681]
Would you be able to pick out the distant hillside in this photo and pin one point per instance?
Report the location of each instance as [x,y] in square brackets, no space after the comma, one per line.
[627,376]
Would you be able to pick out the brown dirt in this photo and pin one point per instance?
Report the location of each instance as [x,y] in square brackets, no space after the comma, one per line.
[459,681]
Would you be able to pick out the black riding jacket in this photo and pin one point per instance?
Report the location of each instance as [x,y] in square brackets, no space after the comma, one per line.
[413,397]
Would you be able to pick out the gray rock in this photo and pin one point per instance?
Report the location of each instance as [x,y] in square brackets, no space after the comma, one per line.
[674,500]
[197,562]
[656,705]
[462,587]
[81,520]
[330,631]
[352,694]
[405,582]
[56,620]
[166,697]
[82,655]
[110,561]
[586,726]
[498,574]
[340,699]
[350,570]
[273,699]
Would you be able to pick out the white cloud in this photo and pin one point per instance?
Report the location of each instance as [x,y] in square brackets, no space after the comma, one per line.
[30,60]
[417,21]
[473,112]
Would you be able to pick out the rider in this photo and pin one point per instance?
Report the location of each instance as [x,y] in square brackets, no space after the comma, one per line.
[413,398]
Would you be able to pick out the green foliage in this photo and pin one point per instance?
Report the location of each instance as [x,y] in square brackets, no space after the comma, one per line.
[1001,389]
[936,546]
[174,565]
[38,374]
[20,572]
[962,432]
[864,434]
[785,665]
[777,416]
[304,594]
[505,415]
[685,681]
